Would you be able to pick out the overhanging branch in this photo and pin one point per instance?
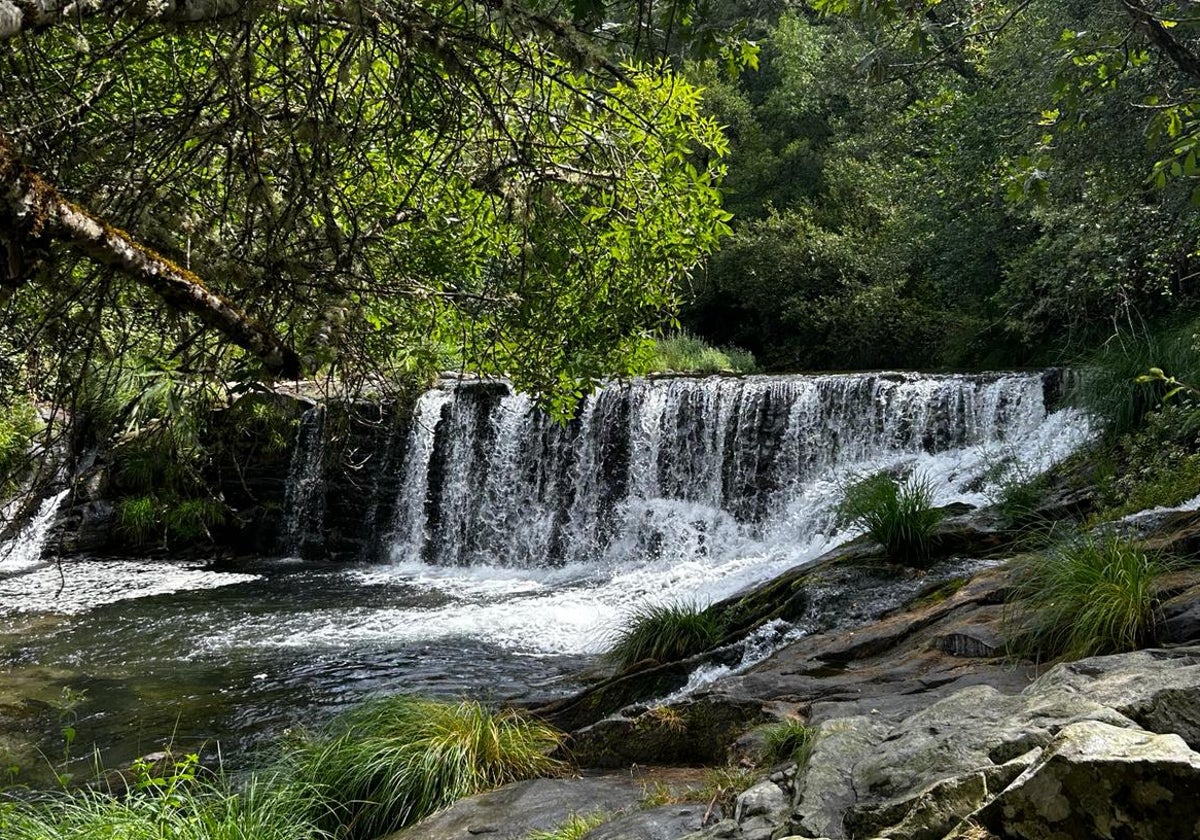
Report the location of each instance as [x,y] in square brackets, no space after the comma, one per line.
[32,208]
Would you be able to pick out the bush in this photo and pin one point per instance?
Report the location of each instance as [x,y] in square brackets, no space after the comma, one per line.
[685,353]
[1085,596]
[388,763]
[899,515]
[665,633]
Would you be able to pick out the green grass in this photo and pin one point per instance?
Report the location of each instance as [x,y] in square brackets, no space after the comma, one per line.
[685,353]
[899,515]
[1085,596]
[138,519]
[788,740]
[573,828]
[1106,385]
[391,762]
[665,633]
[187,809]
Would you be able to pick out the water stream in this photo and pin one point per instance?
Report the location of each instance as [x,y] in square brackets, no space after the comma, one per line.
[517,546]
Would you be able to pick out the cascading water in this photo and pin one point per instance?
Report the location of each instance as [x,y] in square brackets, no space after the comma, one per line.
[540,534]
[516,544]
[24,551]
[303,506]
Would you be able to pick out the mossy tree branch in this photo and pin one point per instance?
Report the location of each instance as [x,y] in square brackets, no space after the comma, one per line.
[33,210]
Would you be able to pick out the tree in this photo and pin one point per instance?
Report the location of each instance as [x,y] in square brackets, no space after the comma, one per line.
[237,189]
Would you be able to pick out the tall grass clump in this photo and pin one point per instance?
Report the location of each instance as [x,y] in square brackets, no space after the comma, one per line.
[665,633]
[1107,383]
[899,515]
[181,808]
[390,762]
[1085,596]
[789,740]
[573,828]
[685,353]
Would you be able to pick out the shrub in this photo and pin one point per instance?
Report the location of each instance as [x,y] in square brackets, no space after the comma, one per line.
[388,763]
[788,740]
[665,633]
[685,353]
[899,515]
[1085,596]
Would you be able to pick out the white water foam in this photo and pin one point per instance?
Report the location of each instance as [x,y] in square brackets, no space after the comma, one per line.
[24,551]
[676,528]
[77,587]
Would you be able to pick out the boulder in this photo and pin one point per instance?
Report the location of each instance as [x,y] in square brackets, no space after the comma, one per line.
[666,822]
[1158,689]
[1101,781]
[514,811]
[697,731]
[825,791]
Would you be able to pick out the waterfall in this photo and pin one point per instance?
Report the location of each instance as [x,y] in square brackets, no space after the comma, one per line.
[303,502]
[24,551]
[684,469]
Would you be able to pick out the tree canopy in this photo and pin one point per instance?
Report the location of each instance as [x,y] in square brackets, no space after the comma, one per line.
[228,189]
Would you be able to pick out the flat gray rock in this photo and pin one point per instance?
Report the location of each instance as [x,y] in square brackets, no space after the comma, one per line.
[666,822]
[513,811]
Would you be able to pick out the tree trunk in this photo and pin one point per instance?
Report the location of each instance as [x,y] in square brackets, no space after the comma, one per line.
[32,209]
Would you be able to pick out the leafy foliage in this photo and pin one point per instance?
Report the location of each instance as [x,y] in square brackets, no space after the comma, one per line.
[665,633]
[899,515]
[1108,384]
[1085,596]
[388,763]
[18,425]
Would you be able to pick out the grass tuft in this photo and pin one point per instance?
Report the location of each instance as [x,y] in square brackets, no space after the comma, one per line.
[1107,385]
[788,740]
[573,828]
[899,515]
[665,633]
[1085,596]
[191,808]
[685,353]
[389,763]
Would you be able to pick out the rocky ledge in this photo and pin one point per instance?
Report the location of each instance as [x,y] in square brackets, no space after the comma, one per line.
[920,728]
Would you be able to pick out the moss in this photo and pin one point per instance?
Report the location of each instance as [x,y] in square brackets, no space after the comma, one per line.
[936,594]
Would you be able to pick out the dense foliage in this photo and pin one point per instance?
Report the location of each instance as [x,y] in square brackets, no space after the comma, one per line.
[976,185]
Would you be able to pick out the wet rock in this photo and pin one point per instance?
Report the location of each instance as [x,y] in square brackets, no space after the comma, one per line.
[667,822]
[514,811]
[1096,780]
[1179,619]
[697,731]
